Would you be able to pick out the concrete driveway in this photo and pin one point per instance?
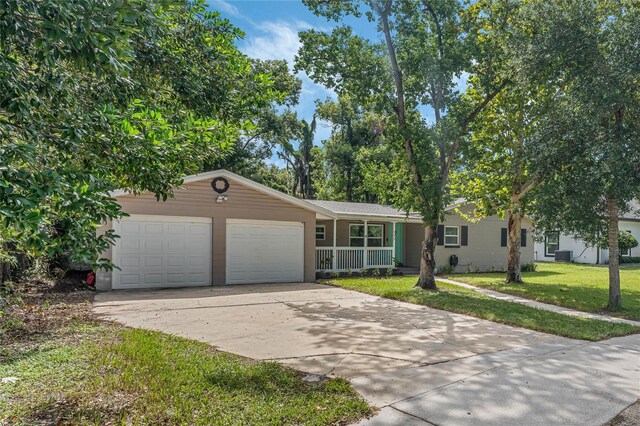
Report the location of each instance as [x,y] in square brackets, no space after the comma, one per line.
[418,364]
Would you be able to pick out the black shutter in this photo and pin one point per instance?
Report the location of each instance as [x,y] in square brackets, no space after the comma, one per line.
[523,238]
[503,237]
[464,238]
[440,232]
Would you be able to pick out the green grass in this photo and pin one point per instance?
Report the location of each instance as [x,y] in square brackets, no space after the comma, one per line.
[575,286]
[464,301]
[98,374]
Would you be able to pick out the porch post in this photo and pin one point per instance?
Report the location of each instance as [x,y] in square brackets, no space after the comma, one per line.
[365,260]
[393,241]
[333,259]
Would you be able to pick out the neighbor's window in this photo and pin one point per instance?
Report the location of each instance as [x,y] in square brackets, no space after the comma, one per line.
[451,236]
[374,235]
[625,252]
[321,232]
[551,244]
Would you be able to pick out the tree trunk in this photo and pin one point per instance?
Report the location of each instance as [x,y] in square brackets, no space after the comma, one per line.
[615,299]
[513,248]
[427,280]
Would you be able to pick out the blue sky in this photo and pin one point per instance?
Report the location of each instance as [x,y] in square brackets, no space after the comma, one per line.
[272,27]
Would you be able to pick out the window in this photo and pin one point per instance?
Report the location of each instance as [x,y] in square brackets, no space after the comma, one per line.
[375,235]
[321,232]
[551,244]
[451,236]
[625,252]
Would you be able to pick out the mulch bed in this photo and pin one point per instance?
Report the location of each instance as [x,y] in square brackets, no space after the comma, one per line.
[39,308]
[629,417]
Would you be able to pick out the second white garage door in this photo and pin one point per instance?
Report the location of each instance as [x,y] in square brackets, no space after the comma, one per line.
[264,251]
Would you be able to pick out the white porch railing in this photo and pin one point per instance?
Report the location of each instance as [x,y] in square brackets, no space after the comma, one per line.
[342,259]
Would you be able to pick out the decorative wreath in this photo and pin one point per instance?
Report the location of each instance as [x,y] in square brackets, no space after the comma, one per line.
[217,188]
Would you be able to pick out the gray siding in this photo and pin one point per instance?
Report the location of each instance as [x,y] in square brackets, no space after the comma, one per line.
[483,250]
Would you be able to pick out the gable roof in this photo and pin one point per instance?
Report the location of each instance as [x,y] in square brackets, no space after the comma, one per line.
[634,211]
[250,184]
[344,208]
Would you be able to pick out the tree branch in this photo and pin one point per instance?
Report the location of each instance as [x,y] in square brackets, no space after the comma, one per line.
[478,109]
[397,77]
[436,21]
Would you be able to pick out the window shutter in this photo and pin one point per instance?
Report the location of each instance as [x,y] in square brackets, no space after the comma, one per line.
[464,237]
[503,237]
[440,233]
[523,238]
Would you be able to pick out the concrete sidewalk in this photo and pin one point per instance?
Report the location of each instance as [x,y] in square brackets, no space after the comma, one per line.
[538,305]
[419,365]
[574,383]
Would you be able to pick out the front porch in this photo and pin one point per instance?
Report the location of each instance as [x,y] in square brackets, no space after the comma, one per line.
[354,245]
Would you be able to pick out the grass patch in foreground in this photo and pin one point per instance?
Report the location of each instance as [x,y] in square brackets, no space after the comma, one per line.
[99,374]
[575,286]
[468,302]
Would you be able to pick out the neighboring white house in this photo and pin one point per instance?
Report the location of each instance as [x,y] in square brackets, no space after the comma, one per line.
[580,251]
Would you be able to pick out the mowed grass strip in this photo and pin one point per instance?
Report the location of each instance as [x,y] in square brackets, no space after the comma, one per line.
[580,287]
[468,302]
[113,375]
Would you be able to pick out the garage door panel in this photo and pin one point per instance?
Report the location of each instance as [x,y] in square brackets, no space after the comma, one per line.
[175,261]
[153,261]
[261,252]
[152,228]
[162,252]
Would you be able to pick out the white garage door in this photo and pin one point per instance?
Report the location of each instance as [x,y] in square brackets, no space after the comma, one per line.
[162,251]
[264,251]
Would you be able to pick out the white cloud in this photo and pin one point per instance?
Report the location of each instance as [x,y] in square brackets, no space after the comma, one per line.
[226,7]
[279,40]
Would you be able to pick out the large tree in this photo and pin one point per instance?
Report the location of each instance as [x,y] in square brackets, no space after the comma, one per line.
[496,173]
[96,96]
[270,126]
[298,158]
[589,145]
[353,131]
[428,46]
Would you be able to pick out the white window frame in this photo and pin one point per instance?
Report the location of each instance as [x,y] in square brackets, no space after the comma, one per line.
[546,245]
[381,237]
[369,226]
[324,232]
[628,251]
[457,236]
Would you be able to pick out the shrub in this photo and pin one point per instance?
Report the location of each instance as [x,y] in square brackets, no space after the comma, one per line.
[444,270]
[375,272]
[628,259]
[528,267]
[626,241]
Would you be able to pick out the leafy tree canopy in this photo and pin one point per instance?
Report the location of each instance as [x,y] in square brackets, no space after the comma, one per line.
[96,96]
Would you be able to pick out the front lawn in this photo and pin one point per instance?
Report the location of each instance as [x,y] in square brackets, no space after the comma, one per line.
[84,371]
[575,286]
[464,301]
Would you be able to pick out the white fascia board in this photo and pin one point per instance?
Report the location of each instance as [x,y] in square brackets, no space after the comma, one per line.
[381,218]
